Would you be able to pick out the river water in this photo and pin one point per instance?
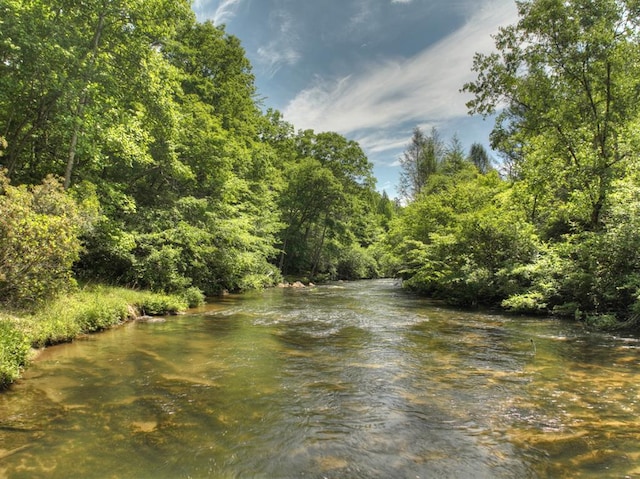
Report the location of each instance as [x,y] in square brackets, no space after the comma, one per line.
[352,380]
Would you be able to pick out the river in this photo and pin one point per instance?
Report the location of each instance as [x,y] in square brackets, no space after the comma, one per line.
[348,380]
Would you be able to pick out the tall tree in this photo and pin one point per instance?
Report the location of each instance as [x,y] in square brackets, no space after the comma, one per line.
[478,156]
[454,159]
[564,85]
[326,202]
[420,160]
[68,77]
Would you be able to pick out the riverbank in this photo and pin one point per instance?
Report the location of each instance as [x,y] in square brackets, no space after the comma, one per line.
[342,380]
[91,309]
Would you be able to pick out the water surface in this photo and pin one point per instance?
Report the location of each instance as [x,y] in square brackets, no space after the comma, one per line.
[352,380]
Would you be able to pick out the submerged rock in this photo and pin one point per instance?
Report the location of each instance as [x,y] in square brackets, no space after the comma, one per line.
[152,319]
[296,284]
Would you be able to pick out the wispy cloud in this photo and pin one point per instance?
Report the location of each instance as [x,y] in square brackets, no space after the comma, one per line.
[283,49]
[380,143]
[422,88]
[225,11]
[364,14]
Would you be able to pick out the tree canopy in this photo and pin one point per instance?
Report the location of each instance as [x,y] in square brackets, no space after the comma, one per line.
[563,86]
[565,80]
[134,150]
[152,117]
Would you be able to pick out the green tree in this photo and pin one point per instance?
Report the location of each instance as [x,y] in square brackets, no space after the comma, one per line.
[564,85]
[343,157]
[478,156]
[39,241]
[66,98]
[194,204]
[218,72]
[327,202]
[421,159]
[462,239]
[309,200]
[454,159]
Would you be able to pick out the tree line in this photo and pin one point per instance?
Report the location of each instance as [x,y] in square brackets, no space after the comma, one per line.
[135,152]
[557,231]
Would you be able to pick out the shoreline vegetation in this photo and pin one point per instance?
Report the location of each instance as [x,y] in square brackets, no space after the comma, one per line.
[174,179]
[91,309]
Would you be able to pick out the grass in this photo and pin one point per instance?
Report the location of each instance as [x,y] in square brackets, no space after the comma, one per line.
[88,310]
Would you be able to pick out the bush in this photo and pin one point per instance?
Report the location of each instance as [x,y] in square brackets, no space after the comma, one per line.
[602,322]
[160,304]
[160,270]
[39,229]
[101,314]
[193,297]
[533,302]
[14,350]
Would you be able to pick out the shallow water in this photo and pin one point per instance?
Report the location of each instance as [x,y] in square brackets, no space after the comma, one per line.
[352,380]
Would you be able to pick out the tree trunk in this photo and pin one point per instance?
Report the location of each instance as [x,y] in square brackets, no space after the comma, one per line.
[316,255]
[82,103]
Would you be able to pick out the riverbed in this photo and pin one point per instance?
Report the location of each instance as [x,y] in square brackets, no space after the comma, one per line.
[346,380]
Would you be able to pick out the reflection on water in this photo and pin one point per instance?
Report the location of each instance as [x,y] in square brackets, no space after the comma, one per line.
[356,380]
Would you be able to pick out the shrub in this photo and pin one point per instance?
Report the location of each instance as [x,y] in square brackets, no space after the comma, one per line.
[101,313]
[602,322]
[39,229]
[193,297]
[159,304]
[14,350]
[532,302]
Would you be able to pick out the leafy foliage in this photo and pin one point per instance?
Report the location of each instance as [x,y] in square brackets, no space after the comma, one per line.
[422,158]
[328,206]
[567,73]
[460,240]
[195,188]
[39,229]
[14,351]
[560,234]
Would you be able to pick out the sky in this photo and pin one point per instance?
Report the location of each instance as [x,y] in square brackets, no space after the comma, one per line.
[371,70]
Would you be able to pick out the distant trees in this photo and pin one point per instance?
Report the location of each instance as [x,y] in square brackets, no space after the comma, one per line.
[328,205]
[427,155]
[480,158]
[452,237]
[558,234]
[419,161]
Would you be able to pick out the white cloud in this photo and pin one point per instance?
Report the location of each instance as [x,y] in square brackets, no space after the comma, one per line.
[379,143]
[401,1]
[422,88]
[282,50]
[364,14]
[225,11]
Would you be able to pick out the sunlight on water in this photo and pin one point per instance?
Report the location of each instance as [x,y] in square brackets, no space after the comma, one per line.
[354,380]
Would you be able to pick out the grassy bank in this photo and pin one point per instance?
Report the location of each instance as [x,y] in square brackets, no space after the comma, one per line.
[88,310]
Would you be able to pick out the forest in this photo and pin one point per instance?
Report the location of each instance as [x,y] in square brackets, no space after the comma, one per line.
[135,152]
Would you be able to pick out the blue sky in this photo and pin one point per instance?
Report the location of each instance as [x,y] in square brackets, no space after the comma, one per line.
[371,70]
